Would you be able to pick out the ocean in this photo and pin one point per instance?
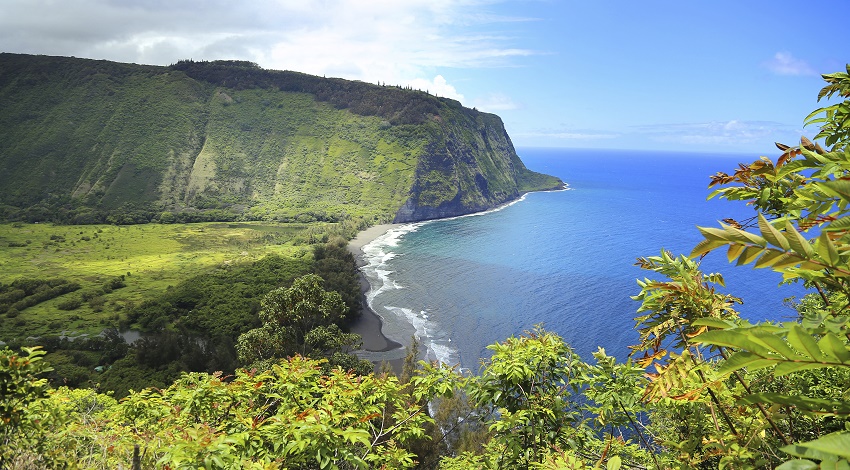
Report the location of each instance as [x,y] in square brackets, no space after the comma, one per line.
[562,259]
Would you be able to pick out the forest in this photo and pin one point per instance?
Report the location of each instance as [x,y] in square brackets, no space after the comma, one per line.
[703,388]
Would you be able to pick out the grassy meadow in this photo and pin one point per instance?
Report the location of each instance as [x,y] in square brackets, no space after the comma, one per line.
[150,257]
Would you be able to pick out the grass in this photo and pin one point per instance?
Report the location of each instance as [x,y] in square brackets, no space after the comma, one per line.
[151,258]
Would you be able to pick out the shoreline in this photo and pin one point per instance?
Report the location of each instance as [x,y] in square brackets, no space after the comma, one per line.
[369,325]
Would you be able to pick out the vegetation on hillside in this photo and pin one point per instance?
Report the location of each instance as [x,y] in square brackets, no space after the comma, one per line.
[188,290]
[703,389]
[86,142]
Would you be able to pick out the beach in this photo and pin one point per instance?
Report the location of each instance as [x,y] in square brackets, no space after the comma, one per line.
[368,326]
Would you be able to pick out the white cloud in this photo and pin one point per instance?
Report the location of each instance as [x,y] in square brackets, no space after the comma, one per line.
[732,133]
[495,102]
[438,87]
[571,135]
[395,42]
[783,63]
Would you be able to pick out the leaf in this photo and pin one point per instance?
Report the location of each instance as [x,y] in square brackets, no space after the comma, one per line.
[614,463]
[804,343]
[734,251]
[807,404]
[838,188]
[749,255]
[773,236]
[732,339]
[826,250]
[742,359]
[797,464]
[711,233]
[838,225]
[774,343]
[835,348]
[835,444]
[713,323]
[785,368]
[706,246]
[742,236]
[787,260]
[798,243]
[769,258]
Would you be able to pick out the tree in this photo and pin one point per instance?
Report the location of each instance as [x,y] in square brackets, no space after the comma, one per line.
[301,319]
[21,388]
[801,229]
[292,415]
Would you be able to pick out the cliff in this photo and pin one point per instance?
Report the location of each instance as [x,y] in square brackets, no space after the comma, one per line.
[86,141]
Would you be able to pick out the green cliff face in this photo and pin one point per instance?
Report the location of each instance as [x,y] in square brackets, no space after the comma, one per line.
[83,140]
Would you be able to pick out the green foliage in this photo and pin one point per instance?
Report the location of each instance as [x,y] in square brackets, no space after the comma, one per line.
[155,257]
[301,319]
[525,388]
[763,381]
[23,293]
[291,416]
[222,141]
[21,389]
[834,120]
[724,393]
[336,266]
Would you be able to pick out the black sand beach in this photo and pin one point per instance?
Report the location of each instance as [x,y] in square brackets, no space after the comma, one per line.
[368,326]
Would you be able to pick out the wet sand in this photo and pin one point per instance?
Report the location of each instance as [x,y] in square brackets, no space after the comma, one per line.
[368,326]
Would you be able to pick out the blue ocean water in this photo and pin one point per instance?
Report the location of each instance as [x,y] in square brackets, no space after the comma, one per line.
[564,259]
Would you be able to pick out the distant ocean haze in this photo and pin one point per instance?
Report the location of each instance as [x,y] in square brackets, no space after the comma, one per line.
[563,259]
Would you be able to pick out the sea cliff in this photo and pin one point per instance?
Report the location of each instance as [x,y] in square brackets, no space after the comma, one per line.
[90,141]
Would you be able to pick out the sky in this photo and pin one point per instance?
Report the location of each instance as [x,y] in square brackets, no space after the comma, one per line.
[727,76]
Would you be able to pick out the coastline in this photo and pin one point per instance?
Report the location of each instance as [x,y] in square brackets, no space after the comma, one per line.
[369,325]
[376,346]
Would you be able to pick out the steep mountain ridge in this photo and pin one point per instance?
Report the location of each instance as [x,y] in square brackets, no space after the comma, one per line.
[88,141]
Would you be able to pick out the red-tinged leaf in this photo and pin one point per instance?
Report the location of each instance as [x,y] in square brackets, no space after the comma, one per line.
[784,158]
[688,396]
[806,143]
[733,223]
[369,417]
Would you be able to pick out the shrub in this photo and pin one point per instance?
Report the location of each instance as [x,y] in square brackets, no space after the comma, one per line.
[72,303]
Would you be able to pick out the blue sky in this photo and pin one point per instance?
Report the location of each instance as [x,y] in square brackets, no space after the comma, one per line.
[719,76]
